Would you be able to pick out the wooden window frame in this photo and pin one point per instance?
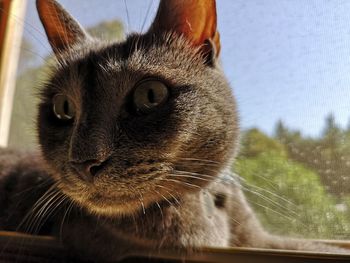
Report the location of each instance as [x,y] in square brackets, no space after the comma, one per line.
[18,247]
[11,30]
[4,6]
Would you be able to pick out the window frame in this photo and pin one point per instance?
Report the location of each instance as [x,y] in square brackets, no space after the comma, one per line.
[12,13]
[22,247]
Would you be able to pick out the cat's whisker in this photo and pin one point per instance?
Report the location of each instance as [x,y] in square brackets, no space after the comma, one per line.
[197,176]
[190,177]
[41,200]
[147,14]
[231,218]
[169,192]
[45,214]
[180,182]
[160,209]
[291,219]
[270,182]
[200,176]
[140,198]
[127,17]
[32,52]
[244,182]
[68,210]
[167,200]
[271,193]
[45,211]
[212,168]
[199,160]
[270,201]
[35,221]
[40,206]
[24,220]
[288,216]
[142,203]
[277,205]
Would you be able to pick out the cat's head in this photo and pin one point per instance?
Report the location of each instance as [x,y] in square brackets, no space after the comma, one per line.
[124,125]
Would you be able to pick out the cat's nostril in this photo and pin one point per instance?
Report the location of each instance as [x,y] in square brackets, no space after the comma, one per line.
[95,168]
[88,170]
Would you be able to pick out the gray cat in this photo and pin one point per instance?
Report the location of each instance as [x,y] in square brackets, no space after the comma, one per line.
[137,138]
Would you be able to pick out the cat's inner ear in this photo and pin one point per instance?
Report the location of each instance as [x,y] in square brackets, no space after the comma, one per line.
[194,19]
[62,30]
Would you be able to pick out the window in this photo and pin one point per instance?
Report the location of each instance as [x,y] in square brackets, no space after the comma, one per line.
[289,68]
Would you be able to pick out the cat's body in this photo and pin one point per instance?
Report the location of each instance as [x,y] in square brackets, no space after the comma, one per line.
[190,222]
[187,222]
[137,139]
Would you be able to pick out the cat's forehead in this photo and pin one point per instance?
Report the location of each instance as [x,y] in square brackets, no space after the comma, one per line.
[136,57]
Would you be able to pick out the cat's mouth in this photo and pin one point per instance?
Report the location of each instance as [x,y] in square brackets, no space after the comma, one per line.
[112,194]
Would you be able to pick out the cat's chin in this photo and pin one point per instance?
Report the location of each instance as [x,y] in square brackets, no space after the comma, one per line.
[111,208]
[115,210]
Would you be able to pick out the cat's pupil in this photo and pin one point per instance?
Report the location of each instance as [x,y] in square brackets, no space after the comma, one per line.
[63,107]
[151,96]
[66,108]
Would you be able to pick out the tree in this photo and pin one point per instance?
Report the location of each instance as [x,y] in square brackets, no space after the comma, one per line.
[290,199]
[281,131]
[328,155]
[254,142]
[331,128]
[108,30]
[284,180]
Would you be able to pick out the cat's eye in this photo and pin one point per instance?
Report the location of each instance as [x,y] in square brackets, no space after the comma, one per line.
[63,107]
[149,94]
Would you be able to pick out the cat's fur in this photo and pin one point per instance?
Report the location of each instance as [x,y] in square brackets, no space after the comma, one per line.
[163,179]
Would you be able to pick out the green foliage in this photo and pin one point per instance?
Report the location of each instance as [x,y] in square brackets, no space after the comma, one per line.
[108,30]
[22,131]
[328,155]
[288,198]
[255,142]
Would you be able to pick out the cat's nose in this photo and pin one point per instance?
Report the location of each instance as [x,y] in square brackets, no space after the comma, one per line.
[87,170]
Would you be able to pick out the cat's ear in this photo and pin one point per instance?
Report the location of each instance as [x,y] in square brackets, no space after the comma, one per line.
[62,30]
[194,19]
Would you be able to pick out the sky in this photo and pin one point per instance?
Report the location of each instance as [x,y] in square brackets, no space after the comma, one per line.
[285,59]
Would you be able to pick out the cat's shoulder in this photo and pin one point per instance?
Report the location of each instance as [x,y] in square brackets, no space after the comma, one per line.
[18,163]
[23,179]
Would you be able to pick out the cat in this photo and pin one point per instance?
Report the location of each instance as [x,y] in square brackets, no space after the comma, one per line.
[137,140]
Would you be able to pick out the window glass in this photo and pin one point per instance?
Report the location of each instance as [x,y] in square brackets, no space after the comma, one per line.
[289,65]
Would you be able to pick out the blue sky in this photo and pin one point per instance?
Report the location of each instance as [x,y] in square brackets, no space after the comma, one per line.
[285,59]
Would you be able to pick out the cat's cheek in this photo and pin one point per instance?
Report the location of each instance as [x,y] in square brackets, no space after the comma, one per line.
[53,133]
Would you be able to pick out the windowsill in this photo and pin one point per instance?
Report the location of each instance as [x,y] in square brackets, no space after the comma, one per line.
[26,248]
